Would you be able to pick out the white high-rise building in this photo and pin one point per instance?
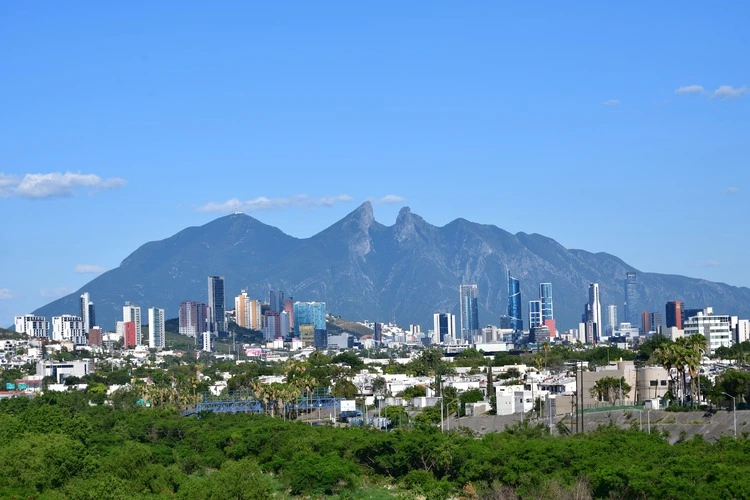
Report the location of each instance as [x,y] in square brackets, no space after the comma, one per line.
[611,319]
[156,334]
[716,328]
[284,324]
[132,312]
[206,344]
[33,326]
[68,328]
[87,312]
[595,310]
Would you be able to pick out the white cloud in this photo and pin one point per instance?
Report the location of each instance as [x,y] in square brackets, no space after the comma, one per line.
[55,293]
[612,102]
[263,203]
[53,184]
[89,269]
[729,92]
[707,263]
[689,89]
[731,190]
[7,294]
[389,199]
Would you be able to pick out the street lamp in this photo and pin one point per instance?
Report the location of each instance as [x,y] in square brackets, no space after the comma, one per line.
[648,419]
[734,412]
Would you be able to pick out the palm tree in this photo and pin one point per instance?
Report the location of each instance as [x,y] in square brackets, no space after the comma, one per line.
[665,356]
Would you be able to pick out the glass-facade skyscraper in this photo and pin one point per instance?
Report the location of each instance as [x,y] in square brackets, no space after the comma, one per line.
[514,303]
[469,313]
[632,314]
[313,314]
[216,323]
[535,313]
[545,296]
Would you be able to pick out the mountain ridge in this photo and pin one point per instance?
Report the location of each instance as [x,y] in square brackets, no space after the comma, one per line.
[366,270]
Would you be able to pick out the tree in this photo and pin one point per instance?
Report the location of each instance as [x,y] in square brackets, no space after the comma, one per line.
[344,388]
[609,389]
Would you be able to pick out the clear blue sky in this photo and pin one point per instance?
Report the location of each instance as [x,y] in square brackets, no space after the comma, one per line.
[618,128]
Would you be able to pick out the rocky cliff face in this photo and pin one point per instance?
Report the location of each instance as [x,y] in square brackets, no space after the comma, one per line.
[365,270]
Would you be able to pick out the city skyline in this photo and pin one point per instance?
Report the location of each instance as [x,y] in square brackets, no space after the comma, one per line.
[369,99]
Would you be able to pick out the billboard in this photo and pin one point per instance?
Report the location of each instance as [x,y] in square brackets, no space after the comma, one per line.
[348,405]
[10,386]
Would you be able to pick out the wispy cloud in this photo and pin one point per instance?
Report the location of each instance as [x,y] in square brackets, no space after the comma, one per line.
[612,102]
[731,190]
[263,203]
[54,184]
[55,293]
[7,294]
[89,269]
[689,89]
[707,263]
[729,92]
[389,199]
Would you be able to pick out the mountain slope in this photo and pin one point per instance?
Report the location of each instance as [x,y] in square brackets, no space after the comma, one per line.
[365,270]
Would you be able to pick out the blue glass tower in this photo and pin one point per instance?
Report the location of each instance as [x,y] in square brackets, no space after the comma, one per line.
[545,296]
[469,313]
[514,303]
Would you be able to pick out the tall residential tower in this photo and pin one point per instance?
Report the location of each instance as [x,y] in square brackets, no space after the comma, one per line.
[469,313]
[216,305]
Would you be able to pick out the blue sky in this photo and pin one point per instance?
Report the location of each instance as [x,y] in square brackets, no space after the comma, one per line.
[617,128]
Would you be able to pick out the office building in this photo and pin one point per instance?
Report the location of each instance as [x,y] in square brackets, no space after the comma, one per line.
[656,322]
[631,298]
[313,314]
[444,327]
[132,312]
[68,328]
[689,313]
[87,312]
[594,312]
[545,296]
[284,322]
[514,303]
[715,327]
[611,319]
[645,322]
[378,334]
[289,309]
[674,314]
[535,313]
[156,331]
[193,318]
[33,326]
[276,300]
[469,310]
[216,305]
[272,326]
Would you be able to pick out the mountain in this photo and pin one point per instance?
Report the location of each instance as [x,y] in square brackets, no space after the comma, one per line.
[365,270]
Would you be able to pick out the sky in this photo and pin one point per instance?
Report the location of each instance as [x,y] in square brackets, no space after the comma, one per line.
[612,127]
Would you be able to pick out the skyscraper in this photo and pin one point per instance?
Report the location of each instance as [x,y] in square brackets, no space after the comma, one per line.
[469,313]
[674,314]
[545,295]
[216,305]
[535,313]
[595,310]
[156,335]
[312,314]
[611,319]
[131,312]
[193,318]
[631,299]
[514,303]
[87,312]
[276,300]
[444,327]
[242,314]
[645,322]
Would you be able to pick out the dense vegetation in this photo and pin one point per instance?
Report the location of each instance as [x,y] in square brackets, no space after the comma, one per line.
[58,445]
